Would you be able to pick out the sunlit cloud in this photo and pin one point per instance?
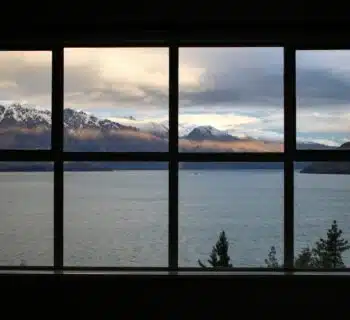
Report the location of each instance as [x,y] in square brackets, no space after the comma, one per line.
[239,90]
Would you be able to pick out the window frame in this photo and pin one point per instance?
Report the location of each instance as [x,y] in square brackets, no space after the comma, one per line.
[58,156]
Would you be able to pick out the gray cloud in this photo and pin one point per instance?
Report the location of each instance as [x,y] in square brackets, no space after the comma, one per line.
[255,77]
[265,91]
[232,77]
[20,80]
[321,88]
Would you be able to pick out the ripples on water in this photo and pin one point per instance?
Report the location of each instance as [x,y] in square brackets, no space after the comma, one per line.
[120,218]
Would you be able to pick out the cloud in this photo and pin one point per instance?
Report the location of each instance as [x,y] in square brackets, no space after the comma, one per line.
[25,76]
[209,77]
[234,77]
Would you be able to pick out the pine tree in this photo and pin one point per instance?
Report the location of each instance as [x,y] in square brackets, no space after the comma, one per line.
[328,253]
[305,259]
[272,261]
[219,255]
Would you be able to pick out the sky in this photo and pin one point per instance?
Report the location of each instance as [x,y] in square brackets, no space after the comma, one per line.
[234,89]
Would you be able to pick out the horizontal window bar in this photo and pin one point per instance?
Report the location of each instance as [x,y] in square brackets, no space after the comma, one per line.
[262,269]
[322,155]
[116,156]
[131,269]
[299,155]
[42,45]
[25,268]
[201,274]
[234,157]
[26,155]
[179,270]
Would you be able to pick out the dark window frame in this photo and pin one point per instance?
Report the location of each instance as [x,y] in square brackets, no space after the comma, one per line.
[57,154]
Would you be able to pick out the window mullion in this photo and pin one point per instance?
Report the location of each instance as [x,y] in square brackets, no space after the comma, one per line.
[289,149]
[173,150]
[57,148]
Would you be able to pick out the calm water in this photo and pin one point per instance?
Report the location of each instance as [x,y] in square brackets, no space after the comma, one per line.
[120,218]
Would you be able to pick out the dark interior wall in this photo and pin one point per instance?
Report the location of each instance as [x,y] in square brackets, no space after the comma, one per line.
[39,28]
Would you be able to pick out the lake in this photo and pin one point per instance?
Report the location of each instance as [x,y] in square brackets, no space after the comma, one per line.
[120,218]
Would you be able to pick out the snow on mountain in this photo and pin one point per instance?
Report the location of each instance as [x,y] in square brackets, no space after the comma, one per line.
[211,133]
[159,129]
[29,117]
[17,115]
[186,128]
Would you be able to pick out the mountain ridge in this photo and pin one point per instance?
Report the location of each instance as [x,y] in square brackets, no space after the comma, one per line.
[329,167]
[23,127]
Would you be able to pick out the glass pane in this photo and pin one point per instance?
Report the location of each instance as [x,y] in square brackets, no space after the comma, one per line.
[26,220]
[322,198]
[231,99]
[25,103]
[323,95]
[245,200]
[116,214]
[116,99]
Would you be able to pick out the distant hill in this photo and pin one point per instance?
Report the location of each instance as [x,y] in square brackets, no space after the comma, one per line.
[111,166]
[24,127]
[330,167]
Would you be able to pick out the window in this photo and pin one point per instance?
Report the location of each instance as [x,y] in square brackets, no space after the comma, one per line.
[322,187]
[116,99]
[125,119]
[25,99]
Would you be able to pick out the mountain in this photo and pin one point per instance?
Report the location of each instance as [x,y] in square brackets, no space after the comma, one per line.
[313,146]
[160,130]
[25,127]
[330,167]
[209,133]
[18,116]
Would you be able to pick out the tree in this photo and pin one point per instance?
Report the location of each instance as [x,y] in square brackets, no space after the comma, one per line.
[305,259]
[328,253]
[272,261]
[219,255]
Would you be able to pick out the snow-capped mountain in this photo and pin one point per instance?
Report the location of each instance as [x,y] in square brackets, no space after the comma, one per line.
[82,120]
[158,129]
[21,116]
[16,115]
[209,133]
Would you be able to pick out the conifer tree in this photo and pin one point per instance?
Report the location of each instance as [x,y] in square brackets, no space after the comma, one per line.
[219,257]
[328,252]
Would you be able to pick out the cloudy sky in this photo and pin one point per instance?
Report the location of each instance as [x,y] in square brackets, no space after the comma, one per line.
[236,89]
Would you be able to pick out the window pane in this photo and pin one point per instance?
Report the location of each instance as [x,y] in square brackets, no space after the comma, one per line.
[245,200]
[231,99]
[323,95]
[26,220]
[116,214]
[116,99]
[25,103]
[322,197]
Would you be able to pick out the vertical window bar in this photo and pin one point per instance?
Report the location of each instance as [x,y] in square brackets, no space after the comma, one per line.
[173,150]
[289,149]
[57,148]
